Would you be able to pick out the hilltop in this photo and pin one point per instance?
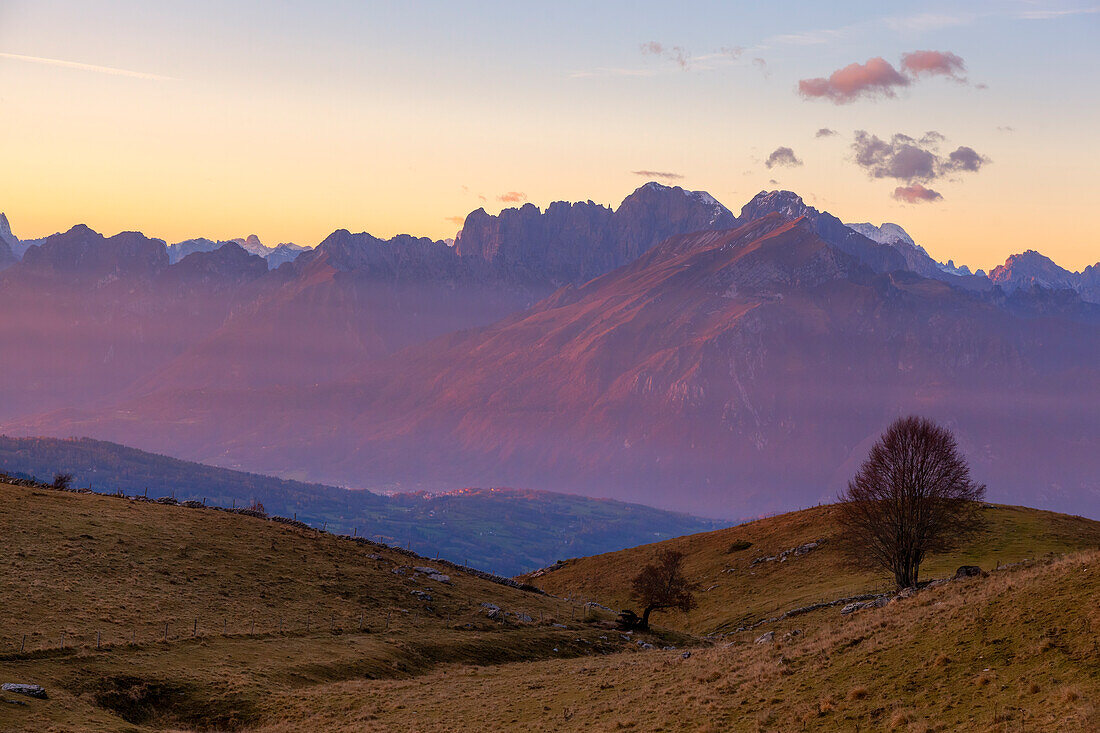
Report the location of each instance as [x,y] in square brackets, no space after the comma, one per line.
[738,585]
[508,531]
[173,616]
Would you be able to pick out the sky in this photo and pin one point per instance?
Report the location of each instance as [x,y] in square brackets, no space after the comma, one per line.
[292,119]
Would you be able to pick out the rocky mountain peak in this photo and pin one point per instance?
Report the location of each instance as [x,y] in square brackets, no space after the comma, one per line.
[1033,268]
[787,203]
[82,250]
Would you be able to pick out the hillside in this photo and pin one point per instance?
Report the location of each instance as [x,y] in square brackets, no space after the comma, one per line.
[735,591]
[508,531]
[202,617]
[1012,652]
[278,628]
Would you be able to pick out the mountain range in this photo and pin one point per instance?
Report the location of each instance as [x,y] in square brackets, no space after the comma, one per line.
[666,351]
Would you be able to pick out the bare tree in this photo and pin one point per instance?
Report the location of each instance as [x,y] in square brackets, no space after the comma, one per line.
[62,481]
[911,497]
[662,585]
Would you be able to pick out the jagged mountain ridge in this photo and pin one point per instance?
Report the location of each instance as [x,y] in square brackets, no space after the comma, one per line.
[728,373]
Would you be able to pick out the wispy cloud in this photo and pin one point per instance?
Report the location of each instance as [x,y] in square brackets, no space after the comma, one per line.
[663,175]
[86,67]
[512,197]
[1050,14]
[611,71]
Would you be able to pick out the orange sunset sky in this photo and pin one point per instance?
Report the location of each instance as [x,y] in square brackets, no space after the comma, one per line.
[220,119]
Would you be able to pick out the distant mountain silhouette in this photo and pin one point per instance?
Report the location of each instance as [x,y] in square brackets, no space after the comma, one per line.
[665,351]
[728,373]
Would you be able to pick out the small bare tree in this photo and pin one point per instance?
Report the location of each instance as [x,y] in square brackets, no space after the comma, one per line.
[662,585]
[62,481]
[911,497]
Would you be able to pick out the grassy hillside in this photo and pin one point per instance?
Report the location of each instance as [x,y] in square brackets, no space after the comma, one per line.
[504,530]
[1012,652]
[251,608]
[278,628]
[734,592]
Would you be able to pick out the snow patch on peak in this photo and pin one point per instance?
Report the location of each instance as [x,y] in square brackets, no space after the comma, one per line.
[885,233]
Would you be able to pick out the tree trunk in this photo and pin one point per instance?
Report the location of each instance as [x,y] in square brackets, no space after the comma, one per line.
[905,575]
[644,625]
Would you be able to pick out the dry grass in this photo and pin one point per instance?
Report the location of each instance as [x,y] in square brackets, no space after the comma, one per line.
[869,671]
[735,592]
[102,568]
[80,563]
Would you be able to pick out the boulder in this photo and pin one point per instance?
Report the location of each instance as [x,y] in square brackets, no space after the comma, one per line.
[25,689]
[422,595]
[860,605]
[766,638]
[968,571]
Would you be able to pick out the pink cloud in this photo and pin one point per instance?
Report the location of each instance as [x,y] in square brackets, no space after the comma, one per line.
[934,63]
[874,78]
[915,194]
[512,197]
[456,220]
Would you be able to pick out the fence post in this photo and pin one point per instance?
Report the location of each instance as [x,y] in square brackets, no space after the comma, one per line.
[225,626]
[332,623]
[23,644]
[62,639]
[252,627]
[360,621]
[165,632]
[97,640]
[195,628]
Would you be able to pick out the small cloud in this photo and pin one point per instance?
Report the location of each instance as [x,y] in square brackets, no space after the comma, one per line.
[456,220]
[915,194]
[782,156]
[762,66]
[732,52]
[664,175]
[876,78]
[676,54]
[1005,128]
[934,63]
[773,182]
[964,159]
[512,197]
[825,132]
[906,159]
[482,197]
[932,138]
